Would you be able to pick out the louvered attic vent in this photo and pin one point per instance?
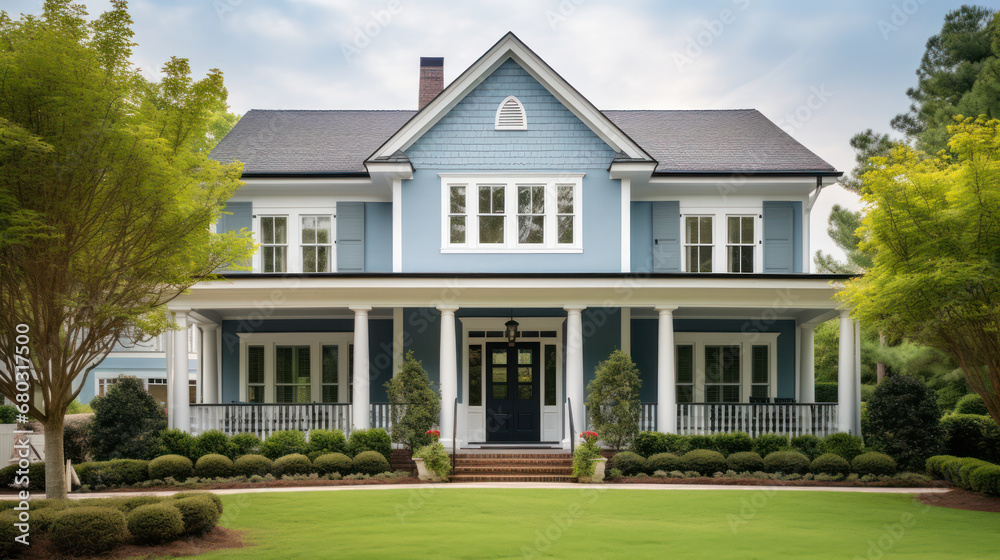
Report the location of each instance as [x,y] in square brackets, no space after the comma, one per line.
[510,115]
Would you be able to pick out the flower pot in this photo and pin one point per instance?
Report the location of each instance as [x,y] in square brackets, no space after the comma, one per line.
[424,474]
[598,469]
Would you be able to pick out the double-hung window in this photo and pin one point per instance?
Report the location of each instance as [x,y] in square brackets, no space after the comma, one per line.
[511,214]
[317,239]
[741,240]
[698,247]
[295,239]
[274,243]
[292,376]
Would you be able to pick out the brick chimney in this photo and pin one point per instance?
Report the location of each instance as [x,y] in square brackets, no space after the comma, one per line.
[431,79]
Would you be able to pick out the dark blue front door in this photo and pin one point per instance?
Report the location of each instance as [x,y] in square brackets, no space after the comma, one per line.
[512,399]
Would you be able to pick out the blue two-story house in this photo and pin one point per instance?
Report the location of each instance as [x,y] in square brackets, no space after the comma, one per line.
[512,235]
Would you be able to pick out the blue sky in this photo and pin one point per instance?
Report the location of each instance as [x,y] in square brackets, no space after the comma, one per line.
[821,70]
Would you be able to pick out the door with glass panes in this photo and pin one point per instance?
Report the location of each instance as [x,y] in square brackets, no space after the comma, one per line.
[512,392]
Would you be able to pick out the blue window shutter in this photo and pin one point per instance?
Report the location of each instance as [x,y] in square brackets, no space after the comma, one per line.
[239,217]
[779,237]
[667,236]
[350,237]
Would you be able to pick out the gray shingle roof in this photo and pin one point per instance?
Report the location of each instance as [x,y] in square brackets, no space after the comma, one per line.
[728,141]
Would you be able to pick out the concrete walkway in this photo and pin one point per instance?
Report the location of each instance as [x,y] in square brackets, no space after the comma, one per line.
[527,485]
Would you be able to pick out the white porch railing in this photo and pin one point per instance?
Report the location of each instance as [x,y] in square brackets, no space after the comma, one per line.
[793,419]
[647,419]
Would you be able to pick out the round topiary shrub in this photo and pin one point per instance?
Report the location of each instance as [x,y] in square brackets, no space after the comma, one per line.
[971,404]
[243,444]
[663,462]
[808,445]
[875,463]
[283,443]
[846,445]
[732,442]
[374,439]
[701,442]
[787,462]
[213,465]
[986,480]
[130,504]
[745,461]
[935,465]
[370,462]
[215,499]
[155,523]
[8,546]
[295,463]
[199,514]
[251,465]
[88,530]
[704,461]
[330,463]
[180,468]
[765,444]
[212,442]
[630,464]
[648,444]
[830,463]
[966,470]
[327,441]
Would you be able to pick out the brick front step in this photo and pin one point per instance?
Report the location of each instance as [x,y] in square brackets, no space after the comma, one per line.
[513,467]
[513,470]
[466,462]
[510,478]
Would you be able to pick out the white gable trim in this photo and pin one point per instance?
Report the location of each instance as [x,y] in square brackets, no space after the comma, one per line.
[510,47]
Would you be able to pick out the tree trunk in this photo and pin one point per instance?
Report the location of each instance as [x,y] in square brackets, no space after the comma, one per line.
[880,367]
[55,459]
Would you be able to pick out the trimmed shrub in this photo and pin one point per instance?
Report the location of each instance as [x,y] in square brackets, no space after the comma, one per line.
[965,471]
[199,514]
[935,465]
[374,439]
[733,442]
[971,404]
[701,442]
[213,465]
[416,406]
[296,463]
[648,444]
[826,392]
[250,465]
[286,442]
[36,476]
[155,523]
[787,462]
[370,462]
[212,442]
[178,442]
[243,444]
[663,462]
[903,421]
[745,461]
[846,445]
[630,464]
[971,435]
[127,421]
[88,530]
[117,472]
[613,401]
[76,440]
[875,463]
[765,444]
[213,497]
[867,391]
[808,445]
[8,414]
[176,466]
[704,461]
[326,441]
[333,463]
[951,468]
[986,480]
[8,546]
[130,504]
[830,463]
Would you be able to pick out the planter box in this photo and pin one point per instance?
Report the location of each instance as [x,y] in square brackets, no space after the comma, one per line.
[424,474]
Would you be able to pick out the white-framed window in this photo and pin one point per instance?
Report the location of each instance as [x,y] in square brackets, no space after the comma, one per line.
[725,367]
[274,243]
[698,243]
[317,242]
[530,213]
[295,239]
[510,115]
[741,243]
[294,367]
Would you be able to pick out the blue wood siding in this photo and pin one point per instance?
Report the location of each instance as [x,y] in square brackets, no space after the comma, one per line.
[465,138]
[641,244]
[351,237]
[378,237]
[782,237]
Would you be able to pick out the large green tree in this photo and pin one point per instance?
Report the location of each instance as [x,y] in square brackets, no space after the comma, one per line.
[933,224]
[106,198]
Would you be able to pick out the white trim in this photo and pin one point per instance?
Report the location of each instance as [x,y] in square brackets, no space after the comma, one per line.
[397,225]
[523,125]
[510,47]
[626,234]
[720,234]
[315,341]
[745,341]
[293,234]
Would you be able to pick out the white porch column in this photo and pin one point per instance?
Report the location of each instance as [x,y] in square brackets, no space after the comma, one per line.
[857,377]
[180,409]
[360,409]
[448,369]
[666,374]
[209,360]
[807,364]
[845,375]
[574,369]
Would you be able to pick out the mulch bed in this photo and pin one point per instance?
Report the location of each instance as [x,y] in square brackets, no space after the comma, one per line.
[764,482]
[216,539]
[961,499]
[272,484]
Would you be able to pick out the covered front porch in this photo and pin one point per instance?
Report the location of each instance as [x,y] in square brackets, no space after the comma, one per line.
[731,353]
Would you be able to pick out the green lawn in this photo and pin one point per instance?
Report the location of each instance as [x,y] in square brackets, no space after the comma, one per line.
[598,522]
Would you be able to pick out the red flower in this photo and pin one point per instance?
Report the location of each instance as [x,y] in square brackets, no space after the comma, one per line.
[433,433]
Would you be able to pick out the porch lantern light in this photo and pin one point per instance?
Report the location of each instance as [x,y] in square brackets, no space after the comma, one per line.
[511,329]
